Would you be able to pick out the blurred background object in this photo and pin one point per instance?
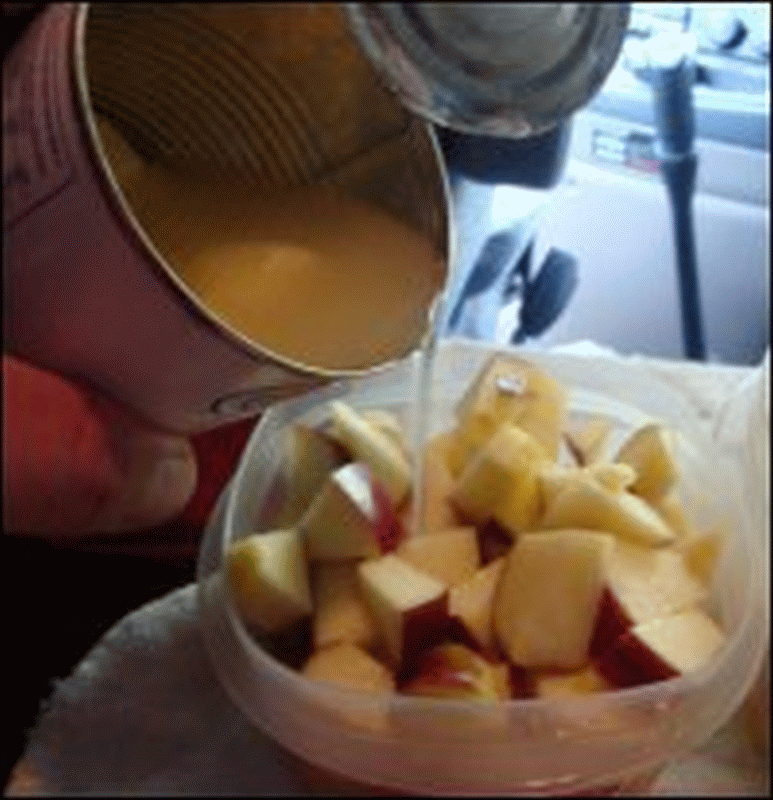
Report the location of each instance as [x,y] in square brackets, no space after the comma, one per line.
[605,207]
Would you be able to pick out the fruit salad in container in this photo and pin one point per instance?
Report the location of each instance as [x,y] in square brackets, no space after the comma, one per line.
[562,603]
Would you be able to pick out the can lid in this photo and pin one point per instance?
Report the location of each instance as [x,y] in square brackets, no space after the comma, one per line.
[508,69]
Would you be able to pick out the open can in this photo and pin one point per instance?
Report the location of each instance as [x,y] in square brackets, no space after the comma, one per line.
[278,94]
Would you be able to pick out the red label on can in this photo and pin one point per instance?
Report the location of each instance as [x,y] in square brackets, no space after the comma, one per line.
[36,86]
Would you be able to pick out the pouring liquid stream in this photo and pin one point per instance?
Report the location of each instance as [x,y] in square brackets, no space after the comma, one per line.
[422,409]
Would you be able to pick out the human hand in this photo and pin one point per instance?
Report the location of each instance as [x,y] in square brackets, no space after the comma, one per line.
[76,463]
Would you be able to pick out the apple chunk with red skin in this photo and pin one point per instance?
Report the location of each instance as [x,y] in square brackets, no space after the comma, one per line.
[470,605]
[662,648]
[351,517]
[548,595]
[268,579]
[641,584]
[309,456]
[453,671]
[493,542]
[409,607]
[373,447]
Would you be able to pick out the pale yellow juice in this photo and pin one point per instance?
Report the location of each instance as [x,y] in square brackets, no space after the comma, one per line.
[311,274]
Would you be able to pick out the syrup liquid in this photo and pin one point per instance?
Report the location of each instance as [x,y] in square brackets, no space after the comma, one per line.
[423,406]
[310,274]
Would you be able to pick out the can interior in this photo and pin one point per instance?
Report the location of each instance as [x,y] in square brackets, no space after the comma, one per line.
[276,94]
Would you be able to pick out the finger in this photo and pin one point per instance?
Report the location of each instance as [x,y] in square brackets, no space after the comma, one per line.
[74,463]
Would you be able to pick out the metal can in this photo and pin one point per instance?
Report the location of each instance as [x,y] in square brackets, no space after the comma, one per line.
[278,93]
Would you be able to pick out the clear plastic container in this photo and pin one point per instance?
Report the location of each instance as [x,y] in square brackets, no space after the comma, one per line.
[610,743]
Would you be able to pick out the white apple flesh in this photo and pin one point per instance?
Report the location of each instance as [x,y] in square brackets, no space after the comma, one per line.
[548,596]
[347,666]
[590,506]
[451,556]
[510,389]
[340,613]
[371,446]
[580,682]
[587,439]
[387,423]
[650,451]
[268,578]
[471,605]
[437,481]
[409,606]
[501,483]
[309,456]
[351,517]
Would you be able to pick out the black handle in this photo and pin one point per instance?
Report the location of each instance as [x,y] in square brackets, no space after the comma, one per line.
[679,175]
[675,125]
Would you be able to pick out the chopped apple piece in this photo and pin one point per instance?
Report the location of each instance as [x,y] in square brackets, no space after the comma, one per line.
[556,684]
[454,672]
[671,510]
[268,578]
[650,452]
[642,583]
[701,554]
[471,603]
[390,426]
[377,450]
[662,648]
[409,606]
[501,481]
[509,389]
[590,506]
[351,517]
[547,597]
[615,477]
[309,457]
[347,666]
[587,441]
[437,485]
[450,556]
[555,478]
[340,613]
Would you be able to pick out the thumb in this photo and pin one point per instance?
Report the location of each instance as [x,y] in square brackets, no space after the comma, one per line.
[74,463]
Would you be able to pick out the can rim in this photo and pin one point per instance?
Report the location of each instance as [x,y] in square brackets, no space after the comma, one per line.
[159,264]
